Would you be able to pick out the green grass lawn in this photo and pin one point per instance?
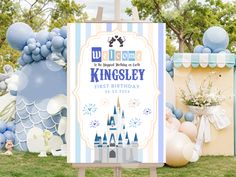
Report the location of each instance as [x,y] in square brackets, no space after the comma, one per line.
[30,165]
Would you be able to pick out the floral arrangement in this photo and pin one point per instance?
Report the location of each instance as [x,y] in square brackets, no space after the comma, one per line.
[203,97]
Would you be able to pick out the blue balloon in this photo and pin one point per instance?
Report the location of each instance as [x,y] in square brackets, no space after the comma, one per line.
[171,106]
[198,49]
[37,57]
[216,37]
[2,140]
[169,65]
[178,113]
[56,30]
[188,116]
[3,126]
[31,41]
[45,51]
[206,50]
[9,135]
[21,62]
[49,45]
[31,46]
[27,58]
[227,51]
[65,42]
[26,50]
[18,34]
[13,92]
[38,44]
[167,57]
[63,31]
[36,51]
[52,35]
[42,36]
[57,42]
[64,54]
[59,50]
[11,126]
[218,50]
[171,73]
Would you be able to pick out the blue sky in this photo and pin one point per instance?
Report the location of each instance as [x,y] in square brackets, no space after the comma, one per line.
[108,5]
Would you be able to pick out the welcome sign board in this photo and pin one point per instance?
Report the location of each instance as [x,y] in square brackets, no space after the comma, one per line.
[116,93]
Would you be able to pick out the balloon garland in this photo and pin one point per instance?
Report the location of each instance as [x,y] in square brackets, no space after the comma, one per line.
[37,46]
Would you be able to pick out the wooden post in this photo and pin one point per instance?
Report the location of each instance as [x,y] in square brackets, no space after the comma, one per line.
[81,172]
[117,10]
[153,172]
[117,172]
[99,14]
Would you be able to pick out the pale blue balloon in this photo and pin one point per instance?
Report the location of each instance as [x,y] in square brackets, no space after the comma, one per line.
[37,57]
[31,46]
[63,31]
[218,50]
[42,36]
[36,51]
[171,73]
[171,106]
[57,42]
[49,45]
[227,51]
[59,50]
[38,44]
[56,30]
[21,62]
[18,34]
[167,57]
[45,51]
[65,42]
[31,41]
[178,113]
[198,49]
[206,50]
[2,140]
[3,126]
[64,54]
[27,58]
[26,50]
[169,65]
[9,135]
[11,126]
[52,35]
[216,37]
[189,116]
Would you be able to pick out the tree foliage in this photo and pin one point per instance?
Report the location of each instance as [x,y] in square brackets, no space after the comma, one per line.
[187,20]
[66,11]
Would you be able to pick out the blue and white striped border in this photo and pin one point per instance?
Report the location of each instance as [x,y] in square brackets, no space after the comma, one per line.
[203,60]
[81,32]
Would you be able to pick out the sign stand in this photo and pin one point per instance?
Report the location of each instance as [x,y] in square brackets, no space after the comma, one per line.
[116,166]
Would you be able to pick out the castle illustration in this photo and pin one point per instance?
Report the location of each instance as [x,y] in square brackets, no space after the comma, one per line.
[115,146]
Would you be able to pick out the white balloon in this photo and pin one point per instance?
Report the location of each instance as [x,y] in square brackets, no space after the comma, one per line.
[62,126]
[56,104]
[55,143]
[188,151]
[195,157]
[35,140]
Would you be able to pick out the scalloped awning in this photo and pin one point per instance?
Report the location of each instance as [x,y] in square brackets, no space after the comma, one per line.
[204,60]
